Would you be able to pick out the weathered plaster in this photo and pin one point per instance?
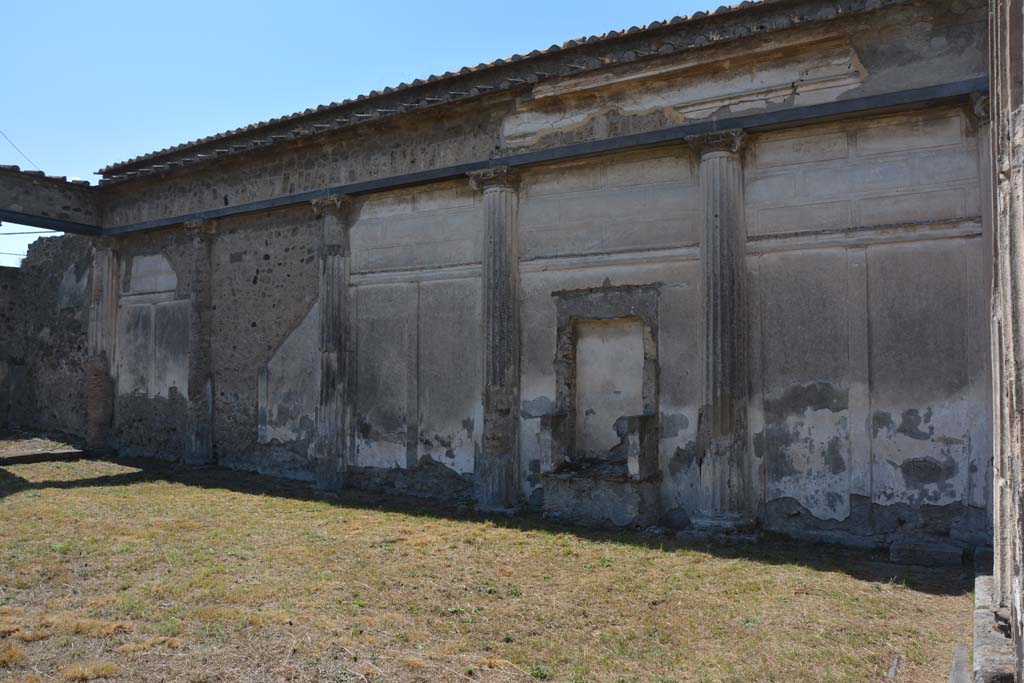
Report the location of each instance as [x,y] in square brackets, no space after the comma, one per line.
[814,356]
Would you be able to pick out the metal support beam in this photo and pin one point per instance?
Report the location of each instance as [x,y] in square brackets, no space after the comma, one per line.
[49,223]
[677,134]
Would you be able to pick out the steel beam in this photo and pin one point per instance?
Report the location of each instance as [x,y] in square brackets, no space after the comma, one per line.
[892,101]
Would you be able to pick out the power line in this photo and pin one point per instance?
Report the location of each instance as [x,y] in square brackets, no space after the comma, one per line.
[19,150]
[8,253]
[34,232]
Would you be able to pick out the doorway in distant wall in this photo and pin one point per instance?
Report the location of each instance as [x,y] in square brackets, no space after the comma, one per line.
[606,370]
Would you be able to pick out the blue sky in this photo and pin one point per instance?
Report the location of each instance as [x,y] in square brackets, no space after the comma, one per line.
[85,84]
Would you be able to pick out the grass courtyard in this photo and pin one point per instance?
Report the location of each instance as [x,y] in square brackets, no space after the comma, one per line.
[137,571]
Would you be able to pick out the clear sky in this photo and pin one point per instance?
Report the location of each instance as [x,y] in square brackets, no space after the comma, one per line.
[88,83]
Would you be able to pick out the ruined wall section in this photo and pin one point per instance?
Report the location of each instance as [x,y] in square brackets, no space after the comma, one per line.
[11,353]
[45,347]
[151,344]
[890,50]
[265,336]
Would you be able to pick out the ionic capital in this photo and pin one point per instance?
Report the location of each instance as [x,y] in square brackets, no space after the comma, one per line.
[103,243]
[338,204]
[980,107]
[730,141]
[499,176]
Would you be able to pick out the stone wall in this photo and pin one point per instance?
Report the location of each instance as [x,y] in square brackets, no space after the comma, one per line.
[804,305]
[264,278]
[33,194]
[45,348]
[11,360]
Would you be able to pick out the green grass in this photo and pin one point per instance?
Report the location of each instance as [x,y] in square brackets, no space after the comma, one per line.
[136,571]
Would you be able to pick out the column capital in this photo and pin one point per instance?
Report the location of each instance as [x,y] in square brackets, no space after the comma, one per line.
[103,242]
[332,203]
[201,227]
[336,211]
[980,107]
[498,176]
[730,141]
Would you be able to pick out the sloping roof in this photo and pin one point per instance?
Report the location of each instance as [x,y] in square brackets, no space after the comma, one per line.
[40,174]
[517,71]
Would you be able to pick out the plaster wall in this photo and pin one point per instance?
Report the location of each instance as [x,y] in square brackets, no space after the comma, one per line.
[416,284]
[848,312]
[869,409]
[870,373]
[609,382]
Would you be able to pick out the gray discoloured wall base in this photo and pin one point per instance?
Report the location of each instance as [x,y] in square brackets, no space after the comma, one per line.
[803,344]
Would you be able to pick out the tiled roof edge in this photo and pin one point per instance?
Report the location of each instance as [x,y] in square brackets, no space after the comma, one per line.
[382,104]
[40,174]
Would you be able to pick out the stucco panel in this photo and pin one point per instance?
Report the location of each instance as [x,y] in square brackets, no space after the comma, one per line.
[903,168]
[919,372]
[804,443]
[385,329]
[449,372]
[627,202]
[436,226]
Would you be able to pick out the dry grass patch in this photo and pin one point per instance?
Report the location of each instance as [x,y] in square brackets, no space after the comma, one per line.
[11,654]
[96,628]
[88,671]
[33,635]
[27,678]
[124,562]
[150,643]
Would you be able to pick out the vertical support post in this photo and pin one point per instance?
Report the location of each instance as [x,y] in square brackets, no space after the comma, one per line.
[99,381]
[723,416]
[332,419]
[497,467]
[199,440]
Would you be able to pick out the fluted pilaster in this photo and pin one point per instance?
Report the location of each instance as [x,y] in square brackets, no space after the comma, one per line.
[99,383]
[723,419]
[332,417]
[199,442]
[497,467]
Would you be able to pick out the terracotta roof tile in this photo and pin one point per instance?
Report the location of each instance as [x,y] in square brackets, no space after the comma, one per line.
[359,110]
[40,174]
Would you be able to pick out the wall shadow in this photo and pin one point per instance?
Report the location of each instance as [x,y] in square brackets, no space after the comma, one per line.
[866,565]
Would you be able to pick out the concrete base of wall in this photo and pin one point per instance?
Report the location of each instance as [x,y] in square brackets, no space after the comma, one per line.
[587,500]
[429,479]
[993,649]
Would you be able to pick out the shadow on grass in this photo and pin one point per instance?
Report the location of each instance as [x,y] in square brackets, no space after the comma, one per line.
[861,564]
